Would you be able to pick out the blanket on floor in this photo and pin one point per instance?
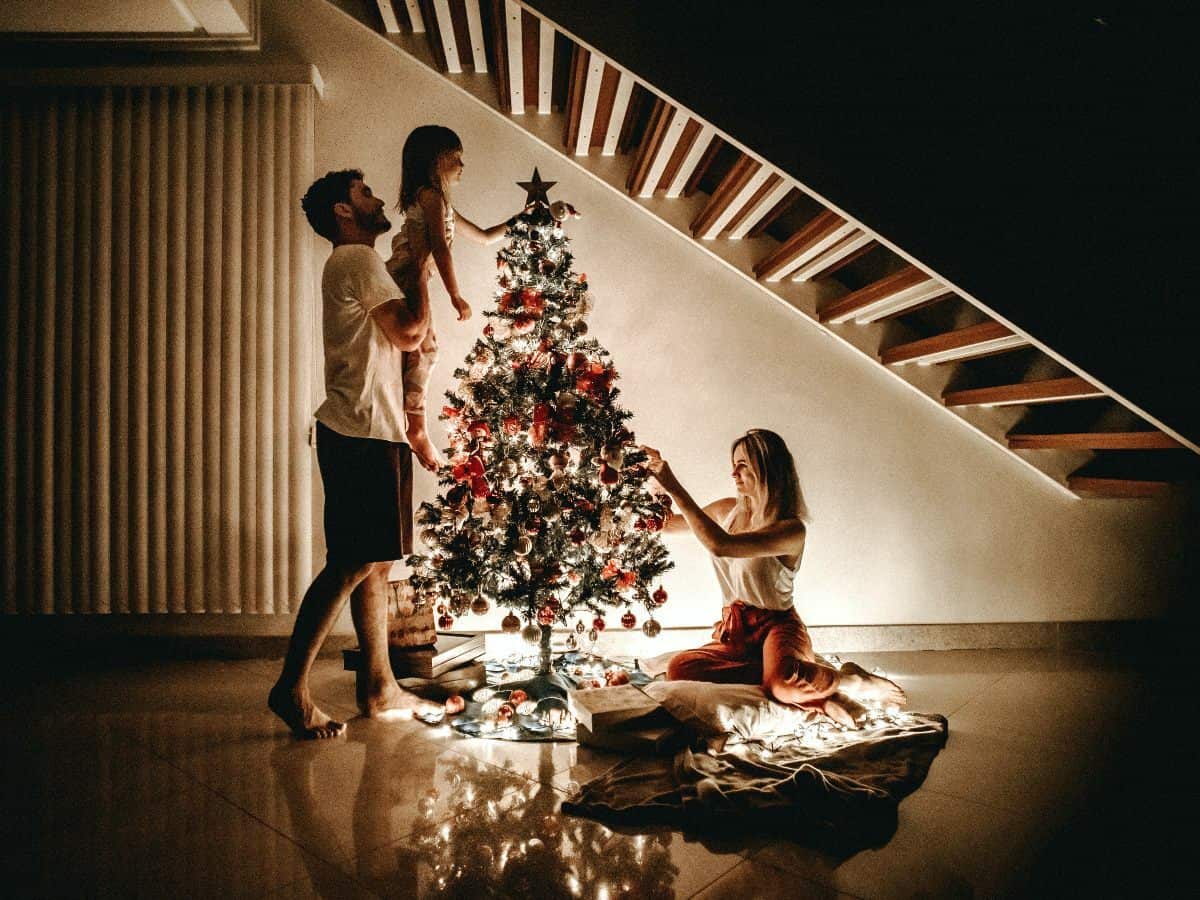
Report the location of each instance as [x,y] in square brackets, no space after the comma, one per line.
[840,790]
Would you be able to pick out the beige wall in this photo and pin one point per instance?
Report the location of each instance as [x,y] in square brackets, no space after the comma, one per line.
[915,518]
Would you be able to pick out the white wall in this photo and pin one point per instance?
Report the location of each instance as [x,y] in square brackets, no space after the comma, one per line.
[916,519]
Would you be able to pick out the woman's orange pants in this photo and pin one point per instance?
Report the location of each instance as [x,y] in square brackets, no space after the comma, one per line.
[760,646]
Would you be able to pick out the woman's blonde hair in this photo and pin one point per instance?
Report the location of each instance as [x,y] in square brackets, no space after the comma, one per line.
[768,454]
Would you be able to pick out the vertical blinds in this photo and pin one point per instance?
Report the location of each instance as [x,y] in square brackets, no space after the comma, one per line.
[158,348]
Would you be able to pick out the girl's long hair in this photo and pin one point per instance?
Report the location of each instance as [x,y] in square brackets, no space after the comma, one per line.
[773,463]
[418,161]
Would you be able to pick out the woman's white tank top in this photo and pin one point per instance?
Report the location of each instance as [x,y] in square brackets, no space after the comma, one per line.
[762,581]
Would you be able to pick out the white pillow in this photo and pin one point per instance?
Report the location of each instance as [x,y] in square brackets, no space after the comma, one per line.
[741,711]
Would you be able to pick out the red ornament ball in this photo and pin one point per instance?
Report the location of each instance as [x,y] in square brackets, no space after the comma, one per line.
[629,620]
[510,624]
[454,704]
[660,596]
[546,615]
[598,623]
[446,621]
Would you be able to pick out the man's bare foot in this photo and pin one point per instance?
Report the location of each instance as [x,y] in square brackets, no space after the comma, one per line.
[301,715]
[844,711]
[389,701]
[864,687]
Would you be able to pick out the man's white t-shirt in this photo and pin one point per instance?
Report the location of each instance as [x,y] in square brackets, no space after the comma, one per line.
[364,390]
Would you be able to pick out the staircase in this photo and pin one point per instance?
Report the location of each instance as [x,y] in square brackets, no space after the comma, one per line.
[1064,425]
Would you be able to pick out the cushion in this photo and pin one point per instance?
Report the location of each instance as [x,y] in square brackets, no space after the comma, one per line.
[741,711]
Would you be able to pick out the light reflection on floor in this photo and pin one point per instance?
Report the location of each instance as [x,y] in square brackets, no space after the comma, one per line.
[173,780]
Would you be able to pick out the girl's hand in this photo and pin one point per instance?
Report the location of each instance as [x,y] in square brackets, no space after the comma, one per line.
[462,307]
[660,470]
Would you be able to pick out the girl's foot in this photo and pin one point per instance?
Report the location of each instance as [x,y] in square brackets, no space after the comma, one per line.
[301,715]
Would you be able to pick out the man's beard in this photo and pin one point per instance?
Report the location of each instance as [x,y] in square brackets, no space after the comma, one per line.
[374,223]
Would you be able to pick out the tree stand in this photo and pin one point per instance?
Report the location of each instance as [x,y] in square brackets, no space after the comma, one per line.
[547,682]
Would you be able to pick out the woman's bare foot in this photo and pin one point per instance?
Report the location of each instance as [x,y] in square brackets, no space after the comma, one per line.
[389,701]
[301,715]
[864,687]
[844,711]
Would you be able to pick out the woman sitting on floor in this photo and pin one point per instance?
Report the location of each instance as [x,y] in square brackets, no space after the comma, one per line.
[757,540]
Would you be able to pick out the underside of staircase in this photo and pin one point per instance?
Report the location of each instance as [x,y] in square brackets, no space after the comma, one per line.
[795,246]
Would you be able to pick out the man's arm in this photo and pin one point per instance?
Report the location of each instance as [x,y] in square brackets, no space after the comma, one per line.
[404,321]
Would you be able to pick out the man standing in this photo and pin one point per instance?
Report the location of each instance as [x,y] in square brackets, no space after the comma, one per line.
[366,465]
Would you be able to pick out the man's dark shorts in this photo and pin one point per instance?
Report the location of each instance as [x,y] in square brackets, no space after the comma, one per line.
[368,497]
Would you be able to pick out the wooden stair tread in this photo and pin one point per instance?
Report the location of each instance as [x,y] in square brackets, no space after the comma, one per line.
[784,259]
[1116,487]
[1047,391]
[980,339]
[1094,440]
[874,294]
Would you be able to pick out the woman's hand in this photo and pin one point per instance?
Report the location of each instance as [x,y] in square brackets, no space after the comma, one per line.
[660,470]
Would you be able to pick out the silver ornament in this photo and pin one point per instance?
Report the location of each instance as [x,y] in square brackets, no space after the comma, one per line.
[531,634]
[651,628]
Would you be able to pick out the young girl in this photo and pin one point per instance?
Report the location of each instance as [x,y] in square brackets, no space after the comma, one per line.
[431,164]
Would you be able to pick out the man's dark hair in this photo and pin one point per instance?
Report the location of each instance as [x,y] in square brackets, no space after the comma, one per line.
[317,203]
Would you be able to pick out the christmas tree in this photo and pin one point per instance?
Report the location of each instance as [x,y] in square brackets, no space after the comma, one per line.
[545,509]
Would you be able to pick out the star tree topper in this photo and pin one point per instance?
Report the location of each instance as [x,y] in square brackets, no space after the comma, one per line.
[536,188]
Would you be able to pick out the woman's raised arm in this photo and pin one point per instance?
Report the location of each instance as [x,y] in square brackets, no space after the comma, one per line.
[783,538]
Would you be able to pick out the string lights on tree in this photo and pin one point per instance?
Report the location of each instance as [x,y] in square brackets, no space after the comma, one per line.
[544,508]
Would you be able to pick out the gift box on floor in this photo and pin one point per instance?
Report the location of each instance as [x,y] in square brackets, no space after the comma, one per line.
[622,718]
[409,625]
[449,652]
[598,709]
[653,733]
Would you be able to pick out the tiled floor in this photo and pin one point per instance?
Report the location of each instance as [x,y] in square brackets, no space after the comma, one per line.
[172,780]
